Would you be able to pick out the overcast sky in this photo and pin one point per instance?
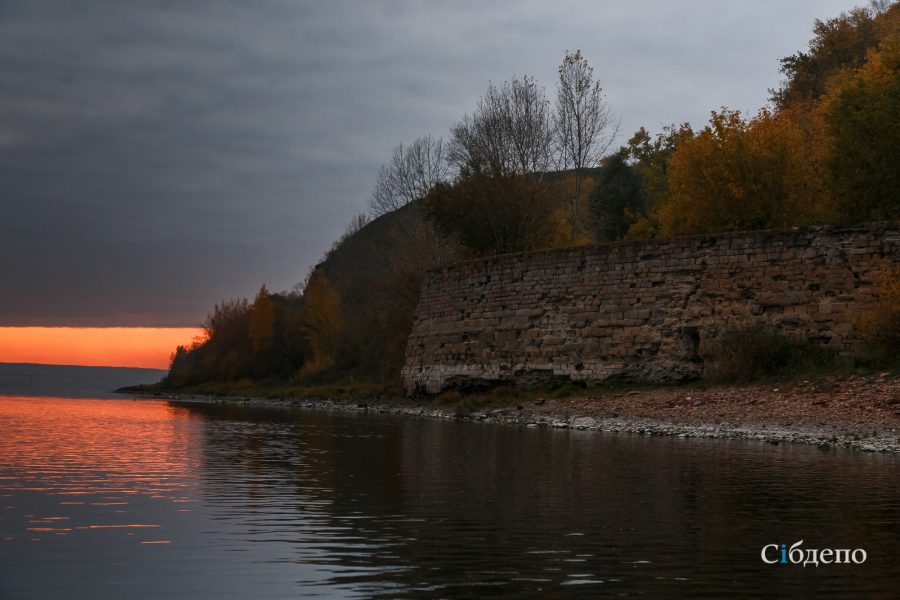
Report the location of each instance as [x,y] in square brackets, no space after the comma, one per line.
[156,157]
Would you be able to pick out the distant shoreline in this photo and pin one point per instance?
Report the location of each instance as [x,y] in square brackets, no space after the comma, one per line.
[32,379]
[857,412]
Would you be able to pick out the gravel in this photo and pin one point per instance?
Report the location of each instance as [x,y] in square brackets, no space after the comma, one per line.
[858,412]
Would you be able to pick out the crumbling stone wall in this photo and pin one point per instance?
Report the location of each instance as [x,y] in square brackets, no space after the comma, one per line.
[637,311]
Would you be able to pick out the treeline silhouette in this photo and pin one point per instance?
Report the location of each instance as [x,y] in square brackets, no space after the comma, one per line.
[521,172]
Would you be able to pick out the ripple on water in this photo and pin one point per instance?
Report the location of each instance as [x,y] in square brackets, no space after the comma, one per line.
[145,499]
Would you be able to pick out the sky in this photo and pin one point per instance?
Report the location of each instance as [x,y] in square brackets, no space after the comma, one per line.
[159,156]
[145,347]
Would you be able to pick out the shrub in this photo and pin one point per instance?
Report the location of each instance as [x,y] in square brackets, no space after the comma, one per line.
[495,215]
[449,397]
[880,324]
[760,352]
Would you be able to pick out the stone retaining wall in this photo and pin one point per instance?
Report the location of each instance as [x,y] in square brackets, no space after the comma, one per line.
[637,311]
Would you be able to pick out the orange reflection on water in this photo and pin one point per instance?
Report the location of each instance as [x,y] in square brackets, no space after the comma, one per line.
[147,347]
[108,452]
[127,526]
[109,448]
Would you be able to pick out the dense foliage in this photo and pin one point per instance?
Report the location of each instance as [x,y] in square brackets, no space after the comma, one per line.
[880,324]
[617,200]
[244,340]
[828,152]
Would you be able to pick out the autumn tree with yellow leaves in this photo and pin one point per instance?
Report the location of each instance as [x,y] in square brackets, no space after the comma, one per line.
[262,322]
[880,323]
[862,111]
[323,323]
[738,174]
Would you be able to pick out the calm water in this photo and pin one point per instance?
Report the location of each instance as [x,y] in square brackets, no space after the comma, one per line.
[144,499]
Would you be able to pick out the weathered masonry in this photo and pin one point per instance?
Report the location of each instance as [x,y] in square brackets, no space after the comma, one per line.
[638,311]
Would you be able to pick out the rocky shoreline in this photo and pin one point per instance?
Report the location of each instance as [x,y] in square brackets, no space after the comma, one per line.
[859,413]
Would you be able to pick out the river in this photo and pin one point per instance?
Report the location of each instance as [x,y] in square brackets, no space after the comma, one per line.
[137,498]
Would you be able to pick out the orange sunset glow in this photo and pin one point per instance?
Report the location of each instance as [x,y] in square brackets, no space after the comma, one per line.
[147,347]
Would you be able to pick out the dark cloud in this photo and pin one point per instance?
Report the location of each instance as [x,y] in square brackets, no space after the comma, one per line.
[156,157]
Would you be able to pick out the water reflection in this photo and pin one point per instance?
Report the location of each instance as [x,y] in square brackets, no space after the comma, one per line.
[95,453]
[165,500]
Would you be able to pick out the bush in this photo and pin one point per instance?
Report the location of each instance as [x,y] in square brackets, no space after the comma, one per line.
[449,397]
[495,215]
[618,200]
[759,352]
[880,324]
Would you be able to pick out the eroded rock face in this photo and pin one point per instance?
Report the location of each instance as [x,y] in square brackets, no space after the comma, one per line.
[638,311]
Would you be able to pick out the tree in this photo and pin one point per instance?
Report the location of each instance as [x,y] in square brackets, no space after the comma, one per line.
[413,170]
[737,174]
[618,199]
[494,215]
[220,322]
[224,354]
[838,43]
[880,323]
[262,322]
[585,128]
[323,323]
[500,201]
[862,112]
[509,133]
[649,157]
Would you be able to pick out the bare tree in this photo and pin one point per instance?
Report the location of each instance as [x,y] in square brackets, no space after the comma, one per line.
[879,7]
[509,133]
[585,127]
[413,170]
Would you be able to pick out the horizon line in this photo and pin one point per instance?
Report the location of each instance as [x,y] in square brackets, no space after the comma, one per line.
[34,364]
